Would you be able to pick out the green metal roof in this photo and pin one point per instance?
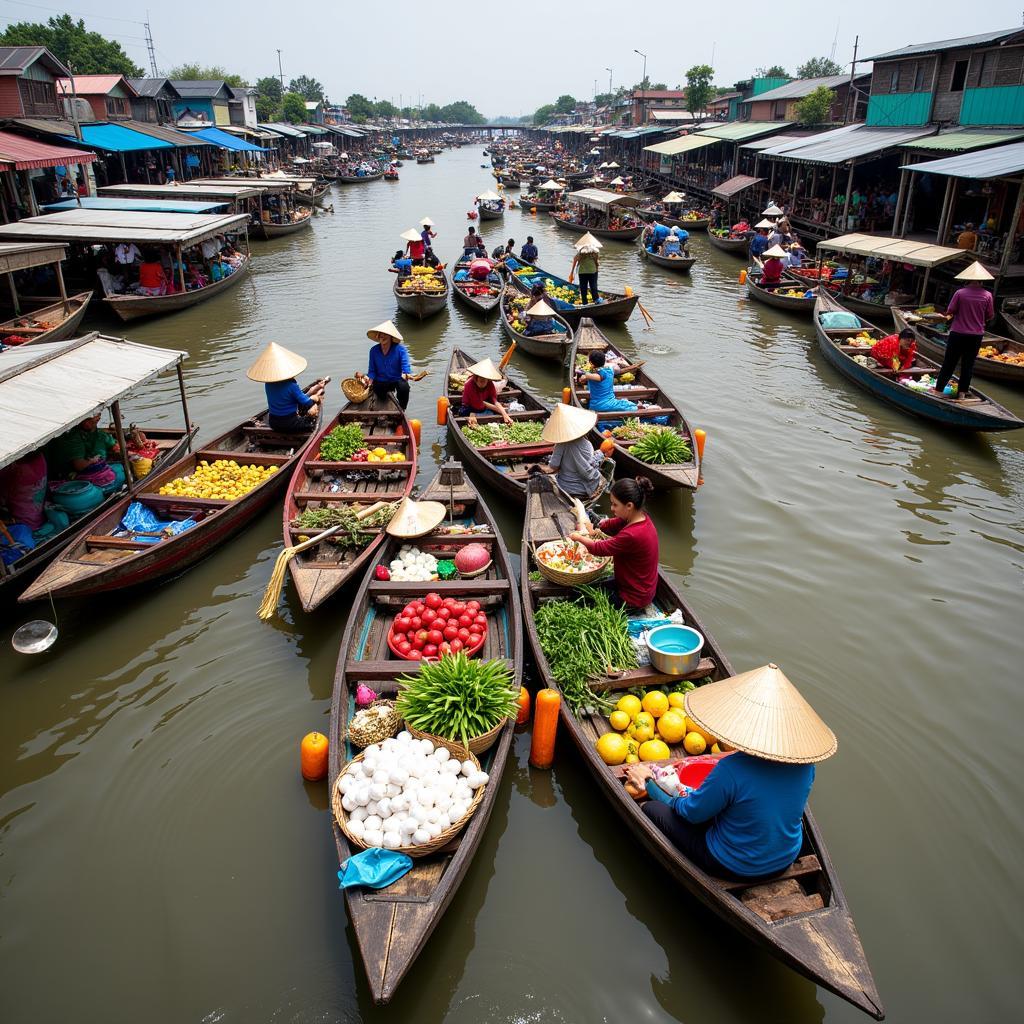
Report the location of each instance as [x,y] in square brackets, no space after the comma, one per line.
[743,131]
[962,141]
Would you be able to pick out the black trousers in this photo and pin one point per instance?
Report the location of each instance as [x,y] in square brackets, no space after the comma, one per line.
[293,424]
[588,281]
[962,349]
[383,388]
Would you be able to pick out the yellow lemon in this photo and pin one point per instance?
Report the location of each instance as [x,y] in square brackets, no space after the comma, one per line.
[672,726]
[694,743]
[654,750]
[692,726]
[619,720]
[645,718]
[611,748]
[655,703]
[632,759]
[630,704]
[641,733]
[677,700]
[715,748]
[380,452]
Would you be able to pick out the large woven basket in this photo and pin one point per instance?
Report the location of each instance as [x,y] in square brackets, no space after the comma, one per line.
[569,579]
[477,745]
[355,391]
[456,750]
[381,729]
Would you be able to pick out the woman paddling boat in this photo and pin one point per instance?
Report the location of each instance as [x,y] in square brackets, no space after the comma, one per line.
[291,410]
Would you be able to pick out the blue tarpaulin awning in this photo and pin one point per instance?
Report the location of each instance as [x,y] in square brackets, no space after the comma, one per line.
[146,205]
[225,140]
[115,138]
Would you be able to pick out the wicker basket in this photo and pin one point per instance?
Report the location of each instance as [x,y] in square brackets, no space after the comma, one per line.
[457,750]
[382,729]
[476,572]
[569,579]
[477,745]
[355,390]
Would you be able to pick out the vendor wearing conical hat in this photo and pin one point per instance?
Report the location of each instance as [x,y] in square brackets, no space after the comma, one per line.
[539,319]
[389,369]
[771,275]
[573,459]
[480,393]
[292,410]
[588,263]
[745,821]
[970,309]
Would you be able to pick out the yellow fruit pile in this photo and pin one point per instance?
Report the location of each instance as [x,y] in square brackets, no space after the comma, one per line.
[223,479]
[645,729]
[383,455]
[991,352]
[422,284]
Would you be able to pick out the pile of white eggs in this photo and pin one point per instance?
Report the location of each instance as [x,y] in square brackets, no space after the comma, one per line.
[413,565]
[406,792]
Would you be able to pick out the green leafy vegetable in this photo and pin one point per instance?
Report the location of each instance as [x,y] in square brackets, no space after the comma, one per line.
[522,432]
[662,446]
[342,443]
[355,532]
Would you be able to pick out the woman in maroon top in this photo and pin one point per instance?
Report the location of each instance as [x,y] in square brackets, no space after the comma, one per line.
[480,393]
[632,543]
[970,309]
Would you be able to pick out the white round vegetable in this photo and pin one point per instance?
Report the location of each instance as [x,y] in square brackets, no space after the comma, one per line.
[380,776]
[421,836]
[407,826]
[404,736]
[373,837]
[357,828]
[442,753]
[378,789]
[468,768]
[372,823]
[348,802]
[433,829]
[358,813]
[451,767]
[384,808]
[398,777]
[392,840]
[399,803]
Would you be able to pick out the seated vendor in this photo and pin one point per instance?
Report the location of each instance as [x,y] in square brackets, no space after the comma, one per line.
[895,352]
[539,320]
[400,264]
[745,821]
[23,490]
[771,275]
[573,460]
[600,380]
[291,410]
[675,242]
[87,453]
[152,276]
[480,393]
[659,232]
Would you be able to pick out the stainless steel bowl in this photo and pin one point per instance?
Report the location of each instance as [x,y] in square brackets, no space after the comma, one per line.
[675,649]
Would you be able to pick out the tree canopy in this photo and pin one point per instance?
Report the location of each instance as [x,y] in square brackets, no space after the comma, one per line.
[775,71]
[198,73]
[699,90]
[816,107]
[819,67]
[308,87]
[70,42]
[565,104]
[544,114]
[293,108]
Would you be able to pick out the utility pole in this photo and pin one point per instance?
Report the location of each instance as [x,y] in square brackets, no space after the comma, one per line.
[152,51]
[609,70]
[643,81]
[851,96]
[280,72]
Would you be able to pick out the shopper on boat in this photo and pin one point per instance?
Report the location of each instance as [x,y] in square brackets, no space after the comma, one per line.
[529,252]
[587,263]
[745,821]
[480,394]
[794,255]
[573,460]
[895,351]
[427,235]
[600,380]
[968,238]
[970,309]
[759,243]
[414,247]
[390,368]
[659,234]
[473,244]
[632,544]
[290,409]
[539,320]
[152,276]
[771,274]
[23,490]
[673,245]
[400,264]
[86,453]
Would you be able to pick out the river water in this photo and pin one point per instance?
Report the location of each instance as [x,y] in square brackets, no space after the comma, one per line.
[161,859]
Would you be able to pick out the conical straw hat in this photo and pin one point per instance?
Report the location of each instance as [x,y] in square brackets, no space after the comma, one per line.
[765,223]
[567,423]
[415,518]
[775,250]
[384,330]
[488,196]
[275,363]
[550,186]
[975,272]
[427,222]
[613,164]
[762,713]
[673,197]
[486,369]
[588,241]
[772,211]
[540,308]
[617,181]
[410,235]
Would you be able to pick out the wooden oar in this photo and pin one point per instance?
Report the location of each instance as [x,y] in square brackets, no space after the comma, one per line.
[647,316]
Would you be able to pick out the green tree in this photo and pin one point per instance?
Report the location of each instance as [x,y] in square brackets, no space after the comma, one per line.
[431,112]
[71,43]
[775,71]
[602,99]
[198,73]
[544,114]
[293,108]
[565,104]
[462,112]
[699,90]
[308,87]
[385,108]
[268,98]
[359,106]
[816,107]
[819,67]
[269,87]
[658,87]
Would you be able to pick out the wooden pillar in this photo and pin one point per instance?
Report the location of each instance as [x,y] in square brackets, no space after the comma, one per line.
[771,183]
[181,272]
[124,169]
[831,195]
[849,189]
[1011,230]
[947,202]
[908,209]
[900,200]
[33,206]
[184,407]
[14,295]
[924,286]
[119,433]
[63,290]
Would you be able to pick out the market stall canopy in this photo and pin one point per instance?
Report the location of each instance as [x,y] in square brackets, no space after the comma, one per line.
[733,186]
[23,255]
[744,131]
[602,199]
[23,154]
[144,205]
[95,226]
[961,140]
[903,250]
[683,144]
[550,186]
[47,388]
[851,142]
[617,181]
[115,138]
[225,141]
[189,190]
[1000,162]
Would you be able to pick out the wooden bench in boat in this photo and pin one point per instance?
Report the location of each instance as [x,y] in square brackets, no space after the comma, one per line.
[650,677]
[242,458]
[349,497]
[530,414]
[384,671]
[800,868]
[171,502]
[469,587]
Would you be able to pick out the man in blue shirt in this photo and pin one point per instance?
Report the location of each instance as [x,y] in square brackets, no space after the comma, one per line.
[529,252]
[759,242]
[389,368]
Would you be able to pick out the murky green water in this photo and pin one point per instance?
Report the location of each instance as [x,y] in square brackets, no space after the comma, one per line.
[160,858]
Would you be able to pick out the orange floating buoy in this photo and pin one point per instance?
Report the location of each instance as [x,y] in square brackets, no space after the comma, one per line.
[700,436]
[442,410]
[743,276]
[417,428]
[566,396]
[545,728]
[523,716]
[313,756]
[533,209]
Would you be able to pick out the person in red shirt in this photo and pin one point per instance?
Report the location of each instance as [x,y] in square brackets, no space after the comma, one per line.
[414,248]
[152,276]
[480,394]
[771,275]
[632,543]
[895,352]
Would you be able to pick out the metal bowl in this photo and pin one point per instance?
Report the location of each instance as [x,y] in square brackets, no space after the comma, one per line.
[674,649]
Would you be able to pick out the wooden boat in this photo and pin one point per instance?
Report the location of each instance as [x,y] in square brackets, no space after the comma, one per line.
[644,388]
[424,159]
[505,469]
[393,925]
[134,307]
[267,230]
[421,304]
[469,294]
[1012,313]
[173,444]
[659,214]
[564,220]
[978,412]
[489,212]
[735,246]
[679,264]
[542,346]
[391,175]
[875,311]
[801,305]
[97,560]
[320,571]
[614,306]
[53,322]
[932,341]
[357,179]
[822,944]
[315,196]
[535,202]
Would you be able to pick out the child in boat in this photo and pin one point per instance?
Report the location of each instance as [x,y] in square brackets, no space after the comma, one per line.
[480,394]
[600,380]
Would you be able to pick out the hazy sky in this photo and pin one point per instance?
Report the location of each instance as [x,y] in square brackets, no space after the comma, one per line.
[501,58]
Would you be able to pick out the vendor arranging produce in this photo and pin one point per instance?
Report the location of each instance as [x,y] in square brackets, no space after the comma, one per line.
[223,479]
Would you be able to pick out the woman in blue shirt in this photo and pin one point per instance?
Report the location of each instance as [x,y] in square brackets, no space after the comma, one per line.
[389,367]
[601,385]
[745,821]
[291,410]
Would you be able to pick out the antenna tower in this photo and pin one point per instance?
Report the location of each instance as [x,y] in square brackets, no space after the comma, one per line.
[152,51]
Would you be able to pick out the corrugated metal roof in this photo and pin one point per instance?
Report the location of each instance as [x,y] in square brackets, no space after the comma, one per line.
[22,255]
[743,131]
[601,198]
[850,142]
[151,86]
[29,155]
[158,131]
[226,141]
[999,162]
[282,129]
[733,186]
[785,139]
[960,140]
[798,89]
[950,44]
[684,144]
[47,388]
[14,59]
[918,254]
[115,138]
[201,89]
[185,189]
[91,85]
[124,226]
[143,205]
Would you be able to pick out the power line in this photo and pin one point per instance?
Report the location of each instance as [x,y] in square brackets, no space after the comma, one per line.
[80,14]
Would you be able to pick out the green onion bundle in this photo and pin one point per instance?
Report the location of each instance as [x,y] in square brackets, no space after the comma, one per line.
[662,446]
[341,443]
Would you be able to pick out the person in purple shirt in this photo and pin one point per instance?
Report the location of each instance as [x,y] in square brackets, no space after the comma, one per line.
[970,309]
[745,821]
[389,368]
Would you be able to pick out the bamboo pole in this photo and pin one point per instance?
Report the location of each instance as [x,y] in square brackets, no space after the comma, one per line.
[184,407]
[119,433]
[63,290]
[846,204]
[900,200]
[14,295]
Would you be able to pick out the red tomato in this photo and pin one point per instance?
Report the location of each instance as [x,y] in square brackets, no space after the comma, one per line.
[404,647]
[465,620]
[432,600]
[481,620]
[401,625]
[418,643]
[442,612]
[464,635]
[435,636]
[415,622]
[430,651]
[423,634]
[448,602]
[459,608]
[428,616]
[420,607]
[415,655]
[451,631]
[409,610]
[474,635]
[472,606]
[456,646]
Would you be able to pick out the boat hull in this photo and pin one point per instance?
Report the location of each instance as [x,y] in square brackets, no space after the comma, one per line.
[135,307]
[681,265]
[733,246]
[616,234]
[268,231]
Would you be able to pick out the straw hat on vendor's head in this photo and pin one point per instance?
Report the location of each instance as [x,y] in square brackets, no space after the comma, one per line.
[775,250]
[975,272]
[486,369]
[385,331]
[415,518]
[427,222]
[764,224]
[772,211]
[567,423]
[540,308]
[762,713]
[276,363]
[588,243]
[410,235]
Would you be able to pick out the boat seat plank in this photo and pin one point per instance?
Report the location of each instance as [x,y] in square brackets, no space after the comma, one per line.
[802,866]
[530,414]
[250,458]
[382,671]
[451,587]
[115,543]
[649,677]
[169,502]
[350,496]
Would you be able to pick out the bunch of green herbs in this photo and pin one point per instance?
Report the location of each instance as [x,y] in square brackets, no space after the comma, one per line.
[342,443]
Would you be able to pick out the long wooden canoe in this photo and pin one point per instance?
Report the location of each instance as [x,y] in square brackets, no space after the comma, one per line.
[734,246]
[98,559]
[424,159]
[978,412]
[172,444]
[1013,318]
[505,468]
[659,214]
[802,305]
[53,322]
[614,306]
[932,341]
[489,213]
[484,298]
[320,571]
[822,944]
[678,264]
[421,304]
[527,201]
[393,925]
[314,197]
[356,179]
[876,312]
[543,346]
[643,388]
[267,230]
[134,307]
[564,220]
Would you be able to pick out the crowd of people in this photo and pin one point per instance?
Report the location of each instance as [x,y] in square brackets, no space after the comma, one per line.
[125,269]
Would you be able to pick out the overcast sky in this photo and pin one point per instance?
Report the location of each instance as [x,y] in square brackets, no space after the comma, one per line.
[505,59]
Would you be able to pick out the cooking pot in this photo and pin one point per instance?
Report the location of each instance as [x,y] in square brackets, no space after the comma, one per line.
[674,649]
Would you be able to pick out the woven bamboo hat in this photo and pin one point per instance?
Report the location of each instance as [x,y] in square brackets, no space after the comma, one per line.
[427,222]
[772,211]
[762,713]
[775,250]
[486,369]
[673,197]
[567,423]
[540,308]
[410,235]
[588,243]
[975,272]
[276,363]
[765,223]
[415,518]
[617,181]
[384,330]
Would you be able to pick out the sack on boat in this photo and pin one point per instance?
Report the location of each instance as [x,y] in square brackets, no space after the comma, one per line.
[840,321]
[373,869]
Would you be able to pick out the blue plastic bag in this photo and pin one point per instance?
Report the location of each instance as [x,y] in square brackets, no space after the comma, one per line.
[373,869]
[139,518]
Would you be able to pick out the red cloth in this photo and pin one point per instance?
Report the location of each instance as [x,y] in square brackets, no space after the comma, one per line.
[473,398]
[772,271]
[480,269]
[151,275]
[23,489]
[887,349]
[635,551]
[416,249]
